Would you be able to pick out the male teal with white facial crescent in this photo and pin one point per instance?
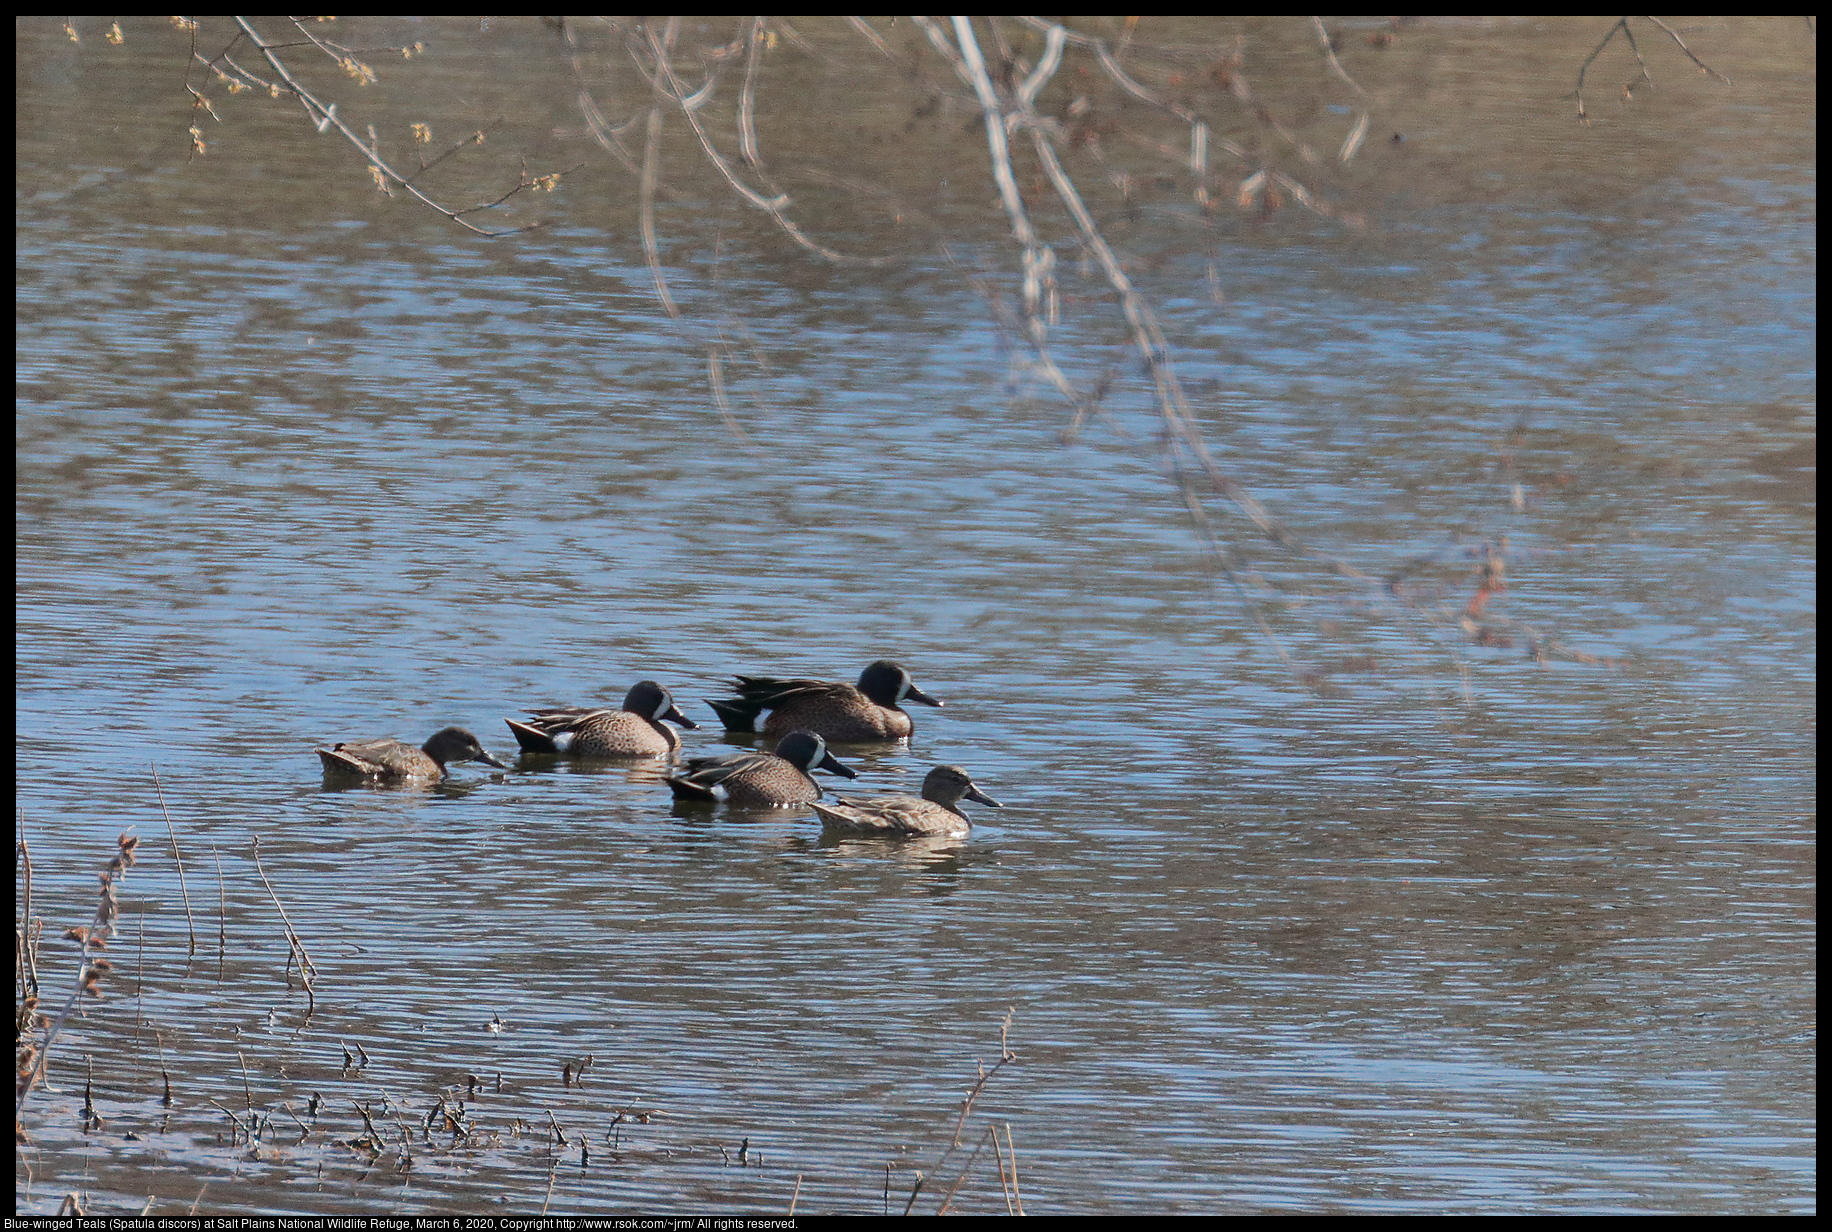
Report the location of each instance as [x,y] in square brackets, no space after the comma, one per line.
[834,711]
[635,729]
[761,780]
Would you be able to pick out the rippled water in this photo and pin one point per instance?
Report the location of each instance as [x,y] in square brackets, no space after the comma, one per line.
[1421,922]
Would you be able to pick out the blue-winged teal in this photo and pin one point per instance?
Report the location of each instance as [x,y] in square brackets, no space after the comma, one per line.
[935,813]
[635,730]
[829,709]
[390,761]
[761,780]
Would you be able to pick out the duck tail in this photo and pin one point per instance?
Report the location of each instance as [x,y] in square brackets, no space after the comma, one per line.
[532,739]
[685,789]
[339,764]
[737,713]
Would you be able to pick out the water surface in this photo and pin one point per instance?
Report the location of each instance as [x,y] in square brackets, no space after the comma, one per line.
[1512,913]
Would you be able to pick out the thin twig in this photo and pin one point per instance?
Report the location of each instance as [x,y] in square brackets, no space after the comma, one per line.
[1621,26]
[222,909]
[100,927]
[1674,35]
[646,212]
[1330,51]
[1352,142]
[247,1094]
[871,36]
[602,131]
[999,1154]
[1038,259]
[948,1197]
[308,971]
[1011,1153]
[668,86]
[967,1103]
[1132,24]
[139,975]
[28,968]
[246,1132]
[183,890]
[747,97]
[371,1134]
[715,377]
[325,117]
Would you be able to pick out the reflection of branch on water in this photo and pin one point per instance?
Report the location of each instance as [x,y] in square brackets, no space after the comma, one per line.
[1443,607]
[1025,150]
[654,57]
[1055,166]
[1184,444]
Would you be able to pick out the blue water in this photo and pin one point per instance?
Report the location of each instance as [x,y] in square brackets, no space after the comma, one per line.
[1385,906]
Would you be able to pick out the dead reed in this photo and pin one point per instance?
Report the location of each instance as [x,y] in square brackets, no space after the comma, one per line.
[1005,1154]
[307,972]
[473,1122]
[89,969]
[177,860]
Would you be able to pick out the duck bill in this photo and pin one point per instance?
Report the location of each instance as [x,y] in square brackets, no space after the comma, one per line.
[974,793]
[917,695]
[833,765]
[675,717]
[487,760]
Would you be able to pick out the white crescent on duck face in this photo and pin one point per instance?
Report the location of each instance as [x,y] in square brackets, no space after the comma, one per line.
[761,780]
[865,712]
[636,729]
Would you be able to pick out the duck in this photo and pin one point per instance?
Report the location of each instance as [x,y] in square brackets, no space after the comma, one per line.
[635,729]
[388,760]
[834,711]
[935,813]
[761,780]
